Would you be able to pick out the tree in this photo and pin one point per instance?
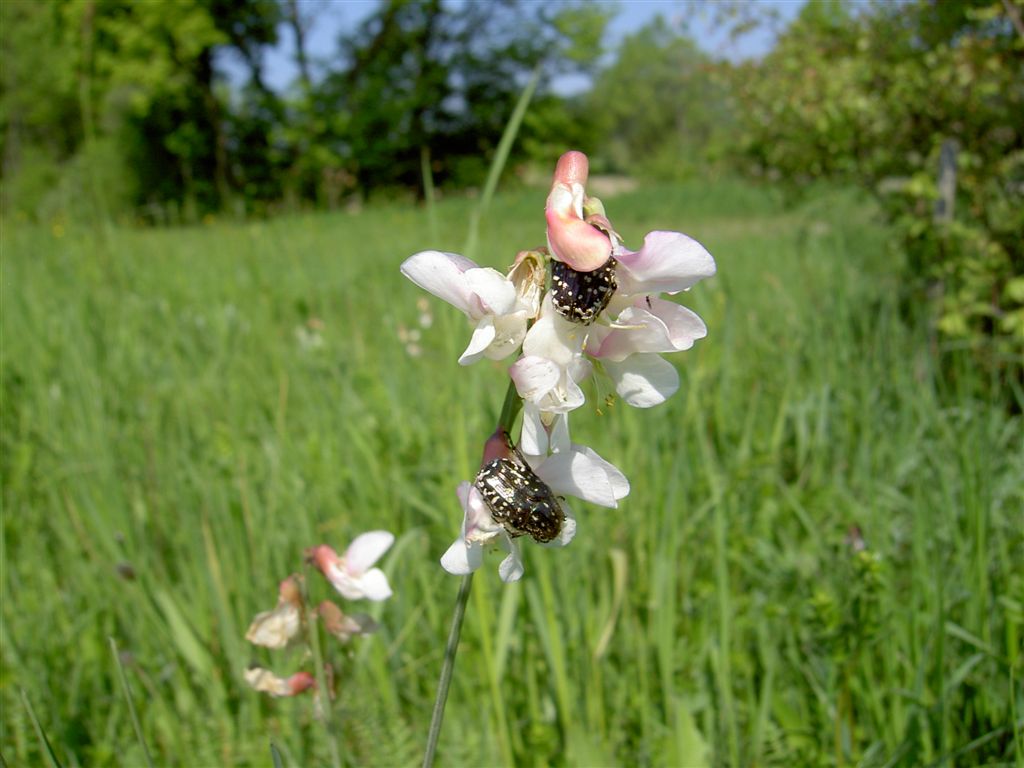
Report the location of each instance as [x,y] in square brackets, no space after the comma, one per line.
[659,106]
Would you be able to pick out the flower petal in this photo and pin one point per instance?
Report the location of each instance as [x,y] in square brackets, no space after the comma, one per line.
[509,332]
[443,274]
[273,629]
[570,239]
[534,377]
[533,439]
[619,483]
[643,381]
[584,475]
[511,568]
[374,585]
[558,438]
[494,289]
[482,337]
[461,558]
[652,325]
[366,549]
[554,337]
[568,529]
[669,262]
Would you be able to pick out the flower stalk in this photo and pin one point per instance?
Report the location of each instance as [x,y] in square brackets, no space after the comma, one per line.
[584,305]
[447,668]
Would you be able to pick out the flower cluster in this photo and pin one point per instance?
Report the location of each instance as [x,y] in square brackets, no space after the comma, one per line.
[583,306]
[352,574]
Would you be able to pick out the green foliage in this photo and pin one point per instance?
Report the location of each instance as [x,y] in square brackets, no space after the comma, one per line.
[185,411]
[871,96]
[659,107]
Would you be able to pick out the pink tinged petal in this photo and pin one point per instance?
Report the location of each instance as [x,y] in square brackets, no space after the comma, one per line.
[652,325]
[478,525]
[323,557]
[684,326]
[366,549]
[669,262]
[299,682]
[572,168]
[443,274]
[493,289]
[511,568]
[463,493]
[576,474]
[643,381]
[572,240]
[482,337]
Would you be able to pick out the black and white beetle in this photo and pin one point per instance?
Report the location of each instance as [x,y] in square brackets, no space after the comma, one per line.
[581,296]
[519,500]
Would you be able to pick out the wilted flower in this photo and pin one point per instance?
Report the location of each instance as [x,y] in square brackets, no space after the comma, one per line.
[342,625]
[265,681]
[516,494]
[351,573]
[275,628]
[497,306]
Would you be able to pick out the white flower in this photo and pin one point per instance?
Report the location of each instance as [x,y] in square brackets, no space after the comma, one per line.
[273,629]
[575,471]
[351,573]
[498,306]
[630,333]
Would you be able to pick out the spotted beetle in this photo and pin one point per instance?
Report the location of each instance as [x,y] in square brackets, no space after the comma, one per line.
[581,296]
[519,500]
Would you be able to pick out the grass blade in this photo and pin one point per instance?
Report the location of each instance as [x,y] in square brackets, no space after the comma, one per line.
[498,163]
[39,730]
[275,756]
[131,704]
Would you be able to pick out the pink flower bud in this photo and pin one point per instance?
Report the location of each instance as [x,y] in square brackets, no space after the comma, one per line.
[299,682]
[572,168]
[496,447]
[571,239]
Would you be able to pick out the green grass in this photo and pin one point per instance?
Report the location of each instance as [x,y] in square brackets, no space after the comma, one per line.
[160,415]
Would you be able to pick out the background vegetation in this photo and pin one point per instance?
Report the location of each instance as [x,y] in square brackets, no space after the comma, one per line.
[820,559]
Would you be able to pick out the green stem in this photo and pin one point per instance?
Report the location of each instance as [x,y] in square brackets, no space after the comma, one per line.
[447,669]
[510,408]
[128,697]
[313,636]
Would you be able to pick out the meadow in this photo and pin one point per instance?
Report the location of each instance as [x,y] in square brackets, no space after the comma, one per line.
[820,561]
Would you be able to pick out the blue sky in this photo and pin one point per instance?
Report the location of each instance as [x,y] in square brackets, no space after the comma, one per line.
[330,17]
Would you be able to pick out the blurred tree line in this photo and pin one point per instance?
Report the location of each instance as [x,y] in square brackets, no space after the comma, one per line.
[111,107]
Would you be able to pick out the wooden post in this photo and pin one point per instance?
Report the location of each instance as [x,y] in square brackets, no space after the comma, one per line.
[946,181]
